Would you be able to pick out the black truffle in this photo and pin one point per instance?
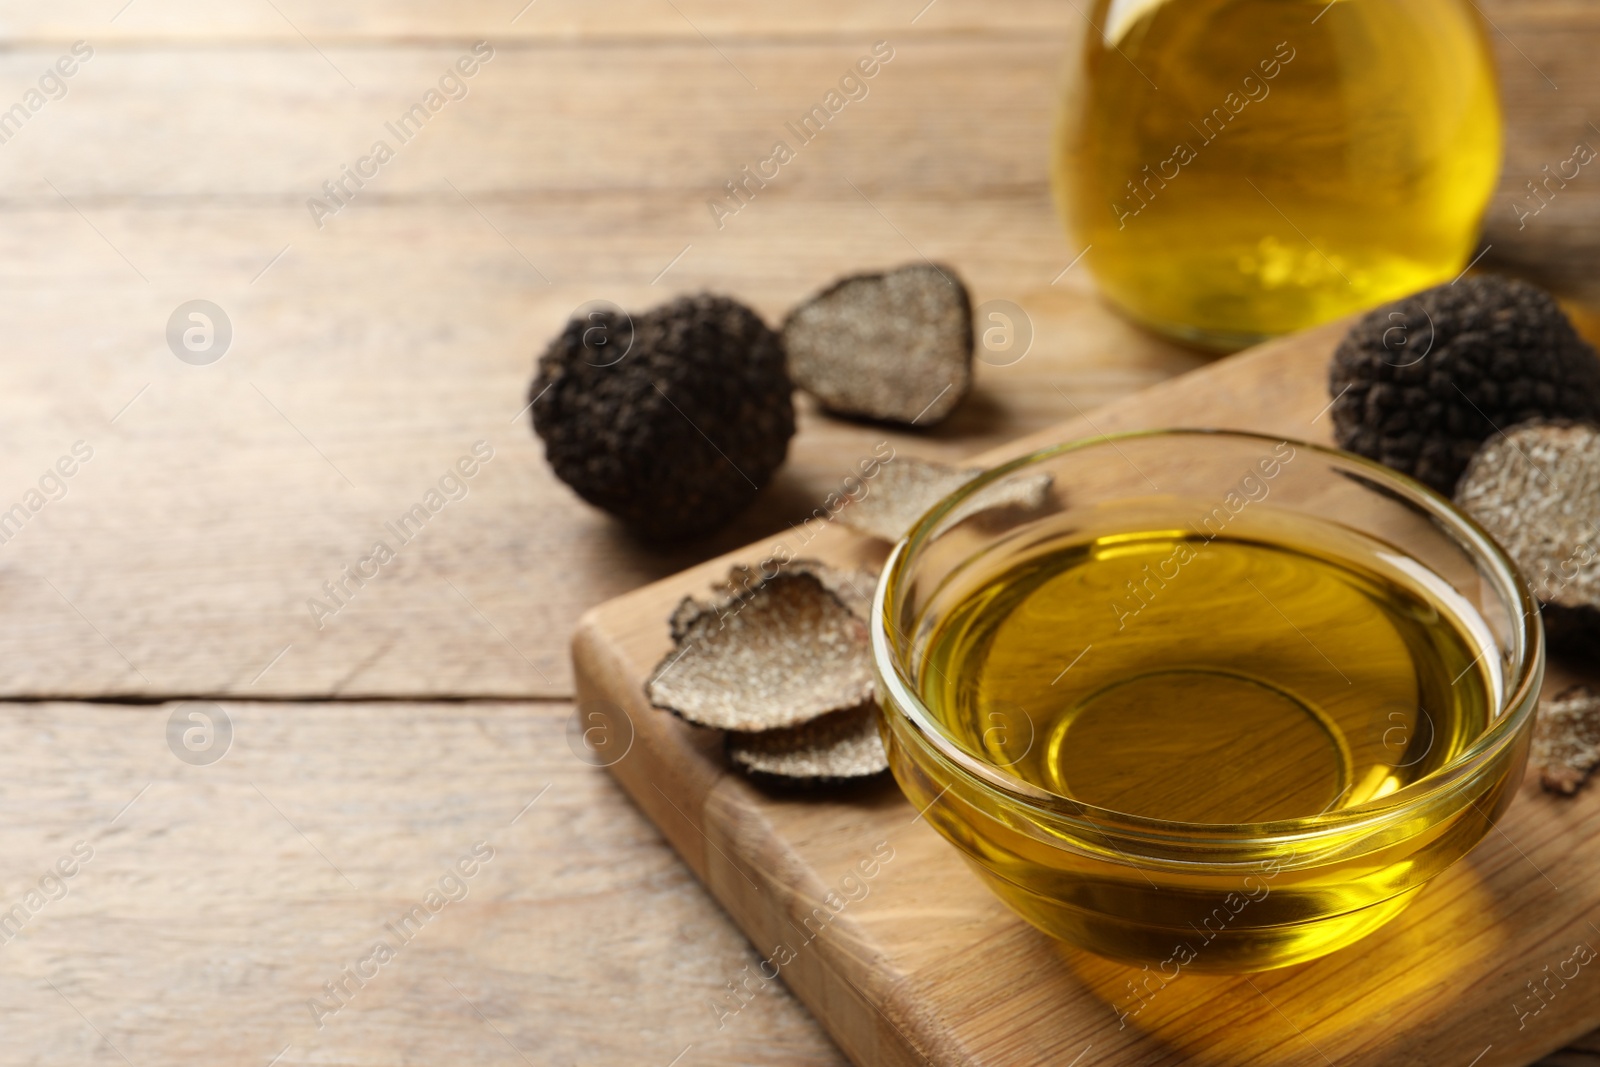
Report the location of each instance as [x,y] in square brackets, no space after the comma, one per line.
[1422,382]
[672,422]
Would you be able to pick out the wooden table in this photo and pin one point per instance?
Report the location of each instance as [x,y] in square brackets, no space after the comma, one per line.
[221,902]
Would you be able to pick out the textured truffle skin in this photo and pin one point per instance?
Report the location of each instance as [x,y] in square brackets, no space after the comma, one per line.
[1501,352]
[677,436]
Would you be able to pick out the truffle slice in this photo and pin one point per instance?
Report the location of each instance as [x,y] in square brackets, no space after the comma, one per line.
[675,435]
[906,488]
[1536,489]
[894,346]
[1566,745]
[1418,384]
[855,588]
[841,747]
[783,652]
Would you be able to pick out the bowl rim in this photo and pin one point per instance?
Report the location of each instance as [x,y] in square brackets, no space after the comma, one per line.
[1515,714]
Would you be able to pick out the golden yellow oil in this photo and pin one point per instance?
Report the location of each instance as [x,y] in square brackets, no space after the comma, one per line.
[1176,676]
[1244,168]
[1159,675]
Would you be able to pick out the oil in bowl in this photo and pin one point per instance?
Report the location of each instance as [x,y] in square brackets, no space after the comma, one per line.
[1222,730]
[1176,678]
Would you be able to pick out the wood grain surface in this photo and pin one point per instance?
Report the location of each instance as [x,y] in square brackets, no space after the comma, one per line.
[368,355]
[927,966]
[217,901]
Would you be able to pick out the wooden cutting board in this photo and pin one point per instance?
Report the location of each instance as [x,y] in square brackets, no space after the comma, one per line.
[919,963]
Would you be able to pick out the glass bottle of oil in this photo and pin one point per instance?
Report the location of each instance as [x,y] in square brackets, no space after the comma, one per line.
[1240,169]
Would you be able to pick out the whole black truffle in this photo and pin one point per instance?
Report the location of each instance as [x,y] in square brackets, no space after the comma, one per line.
[1422,382]
[671,423]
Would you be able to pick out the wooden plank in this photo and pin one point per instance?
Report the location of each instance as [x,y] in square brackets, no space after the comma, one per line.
[219,900]
[554,20]
[574,20]
[275,124]
[925,966]
[1543,52]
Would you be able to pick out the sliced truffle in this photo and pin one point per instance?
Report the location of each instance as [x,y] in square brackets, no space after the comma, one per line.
[855,588]
[894,346]
[1566,744]
[1418,384]
[842,747]
[906,488]
[1536,489]
[678,434]
[784,652]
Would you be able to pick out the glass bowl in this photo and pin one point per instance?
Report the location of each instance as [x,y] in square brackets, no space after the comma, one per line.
[1177,877]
